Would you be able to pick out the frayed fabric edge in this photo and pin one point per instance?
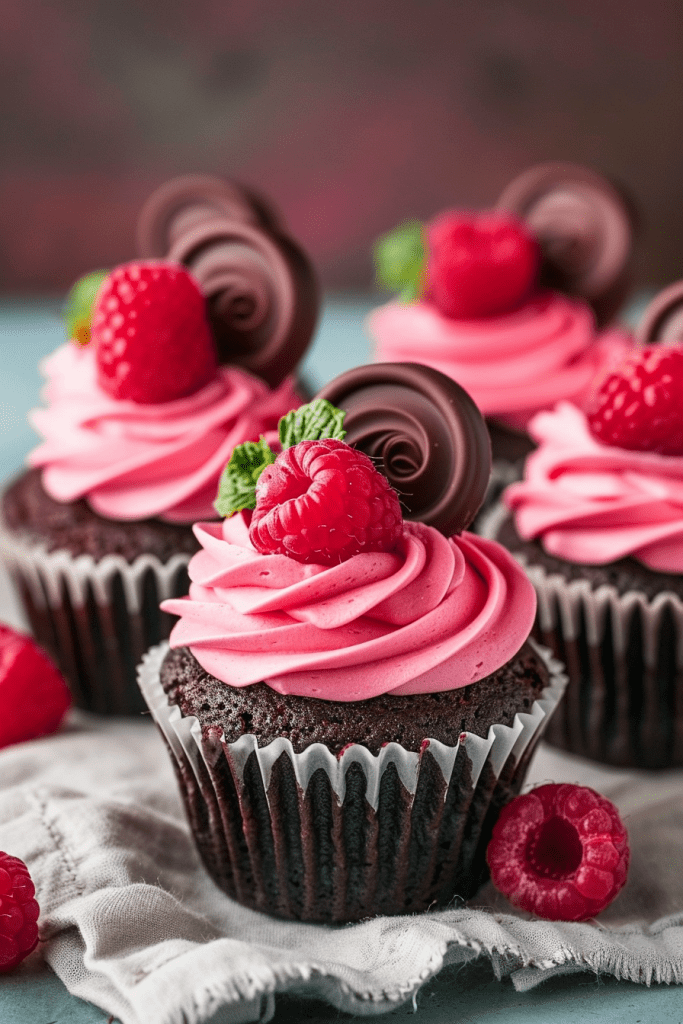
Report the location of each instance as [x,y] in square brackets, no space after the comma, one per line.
[252,994]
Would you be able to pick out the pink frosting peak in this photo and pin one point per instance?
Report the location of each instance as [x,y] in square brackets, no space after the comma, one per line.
[513,365]
[131,461]
[592,503]
[436,614]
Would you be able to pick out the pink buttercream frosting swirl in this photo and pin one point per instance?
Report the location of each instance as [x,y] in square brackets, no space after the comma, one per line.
[592,503]
[131,461]
[512,365]
[435,614]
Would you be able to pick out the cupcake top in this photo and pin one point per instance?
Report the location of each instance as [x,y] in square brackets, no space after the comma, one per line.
[168,370]
[506,301]
[132,460]
[322,589]
[608,483]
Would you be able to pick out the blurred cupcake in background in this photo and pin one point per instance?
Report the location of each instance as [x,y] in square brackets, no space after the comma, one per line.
[597,522]
[515,303]
[173,360]
[350,697]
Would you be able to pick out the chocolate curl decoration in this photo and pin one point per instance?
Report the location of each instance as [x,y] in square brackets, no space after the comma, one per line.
[424,433]
[184,202]
[261,291]
[663,318]
[585,226]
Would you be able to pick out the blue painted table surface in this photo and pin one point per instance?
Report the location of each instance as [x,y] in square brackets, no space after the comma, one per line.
[33,995]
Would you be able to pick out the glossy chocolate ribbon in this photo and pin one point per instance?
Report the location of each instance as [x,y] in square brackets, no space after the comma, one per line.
[184,202]
[662,320]
[585,226]
[260,287]
[425,434]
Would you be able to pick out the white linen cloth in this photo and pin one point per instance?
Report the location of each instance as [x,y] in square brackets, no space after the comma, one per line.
[132,922]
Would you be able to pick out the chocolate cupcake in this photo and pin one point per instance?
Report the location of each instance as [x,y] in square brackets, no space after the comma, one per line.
[350,698]
[513,303]
[169,370]
[597,523]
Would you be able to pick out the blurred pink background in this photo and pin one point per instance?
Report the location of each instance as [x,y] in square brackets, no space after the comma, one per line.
[350,115]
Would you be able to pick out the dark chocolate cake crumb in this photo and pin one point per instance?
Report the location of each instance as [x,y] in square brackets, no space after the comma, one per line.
[508,444]
[408,720]
[625,575]
[73,526]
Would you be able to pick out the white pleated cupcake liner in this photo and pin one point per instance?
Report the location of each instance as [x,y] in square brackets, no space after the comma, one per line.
[624,658]
[47,573]
[184,737]
[92,616]
[319,837]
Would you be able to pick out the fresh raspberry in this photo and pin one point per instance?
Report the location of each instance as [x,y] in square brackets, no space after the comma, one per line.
[560,852]
[639,406]
[322,502]
[33,695]
[479,264]
[18,912]
[152,335]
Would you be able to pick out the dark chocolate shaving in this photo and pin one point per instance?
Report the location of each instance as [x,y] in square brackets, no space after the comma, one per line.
[585,226]
[261,289]
[184,202]
[425,434]
[663,318]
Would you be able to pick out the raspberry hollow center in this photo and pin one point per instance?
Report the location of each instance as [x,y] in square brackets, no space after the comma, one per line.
[555,850]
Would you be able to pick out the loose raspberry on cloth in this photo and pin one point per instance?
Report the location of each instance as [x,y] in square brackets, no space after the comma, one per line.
[560,852]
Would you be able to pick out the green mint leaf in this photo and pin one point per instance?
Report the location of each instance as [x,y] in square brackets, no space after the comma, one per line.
[401,259]
[312,422]
[79,304]
[237,485]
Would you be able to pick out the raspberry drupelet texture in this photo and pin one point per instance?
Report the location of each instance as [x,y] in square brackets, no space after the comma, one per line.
[639,406]
[151,332]
[480,264]
[18,913]
[322,502]
[33,695]
[561,852]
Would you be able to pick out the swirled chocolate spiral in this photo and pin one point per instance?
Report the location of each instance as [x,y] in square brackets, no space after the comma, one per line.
[585,227]
[425,434]
[663,318]
[261,290]
[184,202]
